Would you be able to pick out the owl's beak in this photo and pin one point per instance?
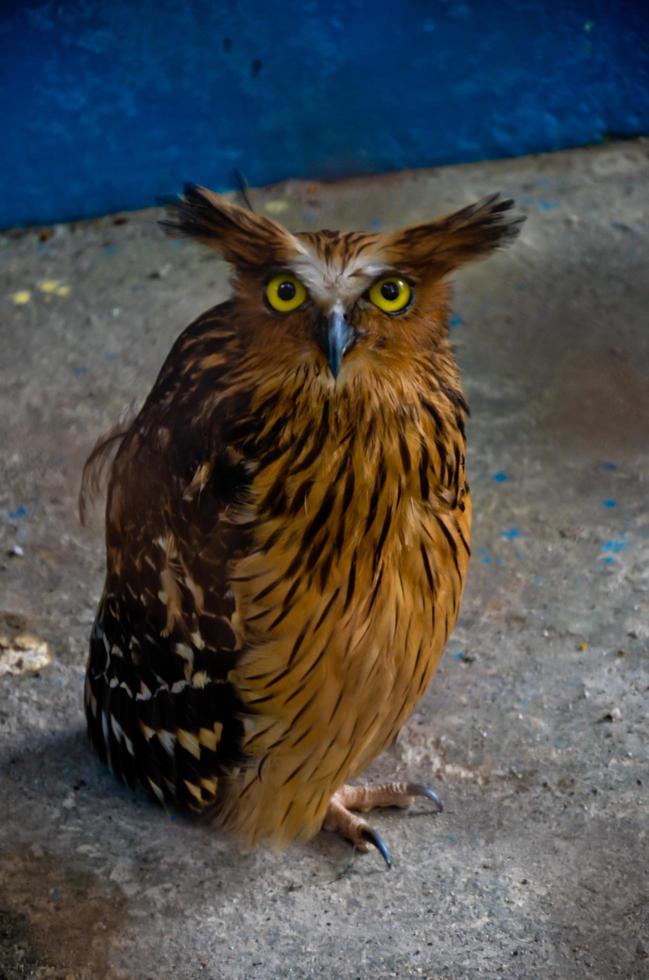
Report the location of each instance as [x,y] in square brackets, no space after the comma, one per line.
[339,338]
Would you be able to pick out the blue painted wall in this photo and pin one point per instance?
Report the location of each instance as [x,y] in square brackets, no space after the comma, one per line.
[106,105]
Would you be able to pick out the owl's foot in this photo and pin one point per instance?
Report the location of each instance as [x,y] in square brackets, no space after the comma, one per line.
[343,821]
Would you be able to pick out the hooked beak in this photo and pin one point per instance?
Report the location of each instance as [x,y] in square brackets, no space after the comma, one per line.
[339,338]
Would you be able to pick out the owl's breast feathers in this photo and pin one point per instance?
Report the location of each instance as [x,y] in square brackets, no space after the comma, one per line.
[285,562]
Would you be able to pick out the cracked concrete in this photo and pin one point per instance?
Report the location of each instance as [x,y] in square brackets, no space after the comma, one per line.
[535,727]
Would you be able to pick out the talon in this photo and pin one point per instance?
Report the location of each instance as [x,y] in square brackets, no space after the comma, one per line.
[416,789]
[341,818]
[373,837]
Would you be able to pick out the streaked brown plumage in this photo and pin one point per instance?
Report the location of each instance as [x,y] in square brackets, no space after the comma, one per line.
[288,525]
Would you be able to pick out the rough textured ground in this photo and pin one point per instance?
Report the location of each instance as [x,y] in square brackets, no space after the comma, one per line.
[535,727]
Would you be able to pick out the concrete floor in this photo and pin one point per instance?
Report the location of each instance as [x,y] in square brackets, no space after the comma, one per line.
[535,727]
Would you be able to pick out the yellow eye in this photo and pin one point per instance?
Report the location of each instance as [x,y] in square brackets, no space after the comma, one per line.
[285,293]
[392,295]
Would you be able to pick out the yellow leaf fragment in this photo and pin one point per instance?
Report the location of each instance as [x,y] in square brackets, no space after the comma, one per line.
[277,206]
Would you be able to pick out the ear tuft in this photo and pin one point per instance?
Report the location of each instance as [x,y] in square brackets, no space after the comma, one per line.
[241,236]
[463,236]
[486,222]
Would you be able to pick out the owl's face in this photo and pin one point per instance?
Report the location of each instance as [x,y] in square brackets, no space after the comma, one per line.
[337,302]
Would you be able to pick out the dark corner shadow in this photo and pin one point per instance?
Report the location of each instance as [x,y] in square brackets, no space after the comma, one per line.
[63,773]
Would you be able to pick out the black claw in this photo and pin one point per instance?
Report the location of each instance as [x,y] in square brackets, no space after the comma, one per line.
[415,789]
[372,837]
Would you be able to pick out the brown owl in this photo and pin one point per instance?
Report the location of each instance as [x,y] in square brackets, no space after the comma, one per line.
[287,525]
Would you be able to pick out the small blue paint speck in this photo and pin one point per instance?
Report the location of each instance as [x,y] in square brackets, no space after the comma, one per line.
[615,545]
[537,580]
[609,503]
[546,205]
[111,354]
[485,557]
[110,249]
[607,561]
[375,224]
[455,320]
[511,534]
[460,655]
[608,466]
[500,477]
[78,371]
[20,511]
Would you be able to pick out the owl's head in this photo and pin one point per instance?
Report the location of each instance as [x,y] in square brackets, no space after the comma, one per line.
[342,300]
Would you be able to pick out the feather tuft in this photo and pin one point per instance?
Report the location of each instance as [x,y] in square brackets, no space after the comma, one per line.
[438,247]
[241,236]
[96,469]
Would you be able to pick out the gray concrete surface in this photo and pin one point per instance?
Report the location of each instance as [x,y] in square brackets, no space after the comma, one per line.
[535,727]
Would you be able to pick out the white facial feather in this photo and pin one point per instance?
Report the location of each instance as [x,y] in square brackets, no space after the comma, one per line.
[332,283]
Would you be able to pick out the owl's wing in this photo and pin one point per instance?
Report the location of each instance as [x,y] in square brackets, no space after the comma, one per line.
[159,705]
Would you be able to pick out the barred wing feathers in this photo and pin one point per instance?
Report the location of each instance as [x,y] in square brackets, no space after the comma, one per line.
[159,706]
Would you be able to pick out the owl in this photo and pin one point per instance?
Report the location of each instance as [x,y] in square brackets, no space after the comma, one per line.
[287,525]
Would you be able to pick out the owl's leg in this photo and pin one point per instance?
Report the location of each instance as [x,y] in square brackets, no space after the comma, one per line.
[343,821]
